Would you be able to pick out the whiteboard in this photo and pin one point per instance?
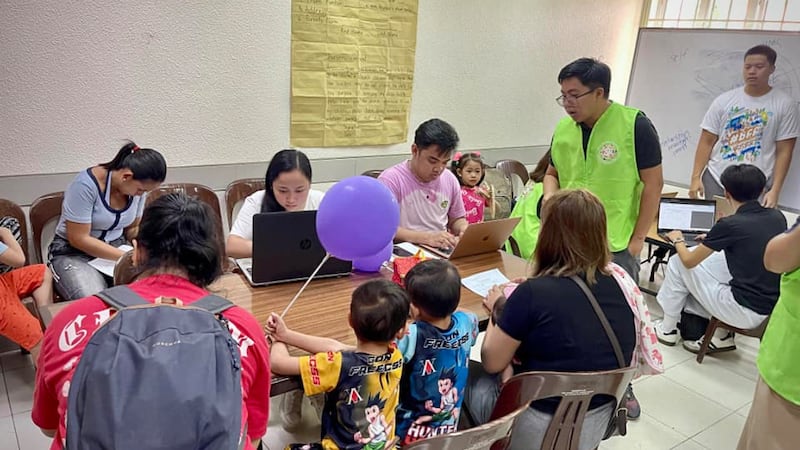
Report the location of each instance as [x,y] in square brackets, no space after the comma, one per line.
[676,74]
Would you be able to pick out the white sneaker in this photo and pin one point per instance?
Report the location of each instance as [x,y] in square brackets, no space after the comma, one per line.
[718,344]
[667,338]
[291,409]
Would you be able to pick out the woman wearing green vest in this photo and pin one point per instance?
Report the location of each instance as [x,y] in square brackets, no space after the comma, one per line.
[613,151]
[526,233]
[775,413]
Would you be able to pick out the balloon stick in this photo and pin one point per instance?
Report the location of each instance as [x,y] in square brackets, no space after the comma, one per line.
[303,288]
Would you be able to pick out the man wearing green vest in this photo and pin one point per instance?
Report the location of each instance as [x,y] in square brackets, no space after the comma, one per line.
[613,151]
[775,413]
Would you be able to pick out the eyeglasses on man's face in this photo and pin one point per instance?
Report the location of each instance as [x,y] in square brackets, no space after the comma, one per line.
[569,98]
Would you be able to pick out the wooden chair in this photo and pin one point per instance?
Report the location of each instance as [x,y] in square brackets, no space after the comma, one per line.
[44,213]
[236,192]
[374,173]
[576,391]
[11,209]
[714,323]
[494,435]
[205,195]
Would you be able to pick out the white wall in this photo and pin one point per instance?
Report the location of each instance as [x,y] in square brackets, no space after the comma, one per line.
[208,82]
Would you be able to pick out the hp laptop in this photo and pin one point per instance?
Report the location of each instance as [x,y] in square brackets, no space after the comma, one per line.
[692,217]
[479,238]
[286,248]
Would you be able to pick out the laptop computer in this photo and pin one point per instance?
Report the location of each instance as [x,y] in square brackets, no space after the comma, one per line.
[286,248]
[479,238]
[692,217]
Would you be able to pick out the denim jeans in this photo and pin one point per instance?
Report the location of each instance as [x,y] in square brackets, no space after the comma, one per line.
[73,276]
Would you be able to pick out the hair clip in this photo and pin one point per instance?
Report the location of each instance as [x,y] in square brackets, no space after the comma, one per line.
[457,156]
[135,149]
[477,153]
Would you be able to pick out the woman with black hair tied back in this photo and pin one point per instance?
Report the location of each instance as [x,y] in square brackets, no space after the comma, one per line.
[101,211]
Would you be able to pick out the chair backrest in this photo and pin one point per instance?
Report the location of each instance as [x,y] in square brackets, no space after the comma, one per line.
[374,173]
[512,167]
[495,435]
[576,391]
[205,195]
[11,209]
[44,213]
[236,192]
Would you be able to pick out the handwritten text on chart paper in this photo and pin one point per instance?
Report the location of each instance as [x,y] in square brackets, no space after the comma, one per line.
[676,143]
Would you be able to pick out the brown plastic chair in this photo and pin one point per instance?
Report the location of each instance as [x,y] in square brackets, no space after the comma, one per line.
[514,246]
[495,435]
[239,190]
[576,391]
[44,210]
[11,209]
[714,323]
[205,195]
[374,173]
[512,166]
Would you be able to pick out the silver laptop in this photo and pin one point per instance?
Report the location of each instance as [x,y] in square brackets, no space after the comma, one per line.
[479,238]
[286,248]
[692,217]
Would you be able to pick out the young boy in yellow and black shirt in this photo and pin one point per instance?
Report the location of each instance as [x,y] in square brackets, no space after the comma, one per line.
[361,385]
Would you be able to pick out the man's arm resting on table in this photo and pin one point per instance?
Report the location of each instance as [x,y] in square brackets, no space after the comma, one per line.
[783,252]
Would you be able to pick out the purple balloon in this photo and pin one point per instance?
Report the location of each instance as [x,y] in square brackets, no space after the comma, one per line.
[373,263]
[357,217]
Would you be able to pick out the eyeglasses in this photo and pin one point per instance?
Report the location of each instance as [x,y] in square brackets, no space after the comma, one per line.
[569,98]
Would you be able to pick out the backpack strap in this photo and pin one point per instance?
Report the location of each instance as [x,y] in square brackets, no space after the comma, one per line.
[119,297]
[213,304]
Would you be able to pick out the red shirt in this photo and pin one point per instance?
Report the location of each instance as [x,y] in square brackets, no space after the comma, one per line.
[71,328]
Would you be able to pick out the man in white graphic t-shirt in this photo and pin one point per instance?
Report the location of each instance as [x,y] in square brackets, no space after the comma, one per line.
[754,124]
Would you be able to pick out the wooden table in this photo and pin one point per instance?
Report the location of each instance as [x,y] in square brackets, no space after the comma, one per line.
[322,309]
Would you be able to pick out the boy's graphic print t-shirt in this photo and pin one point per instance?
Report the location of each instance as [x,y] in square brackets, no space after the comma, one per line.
[434,377]
[362,392]
[749,127]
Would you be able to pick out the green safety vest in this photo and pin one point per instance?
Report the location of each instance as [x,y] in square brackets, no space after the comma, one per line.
[526,233]
[608,170]
[779,355]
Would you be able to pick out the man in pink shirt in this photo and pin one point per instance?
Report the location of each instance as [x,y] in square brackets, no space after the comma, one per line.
[431,209]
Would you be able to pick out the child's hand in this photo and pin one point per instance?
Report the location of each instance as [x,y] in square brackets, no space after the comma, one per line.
[276,327]
[484,192]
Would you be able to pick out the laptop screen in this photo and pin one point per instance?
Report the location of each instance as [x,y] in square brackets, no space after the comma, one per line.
[686,215]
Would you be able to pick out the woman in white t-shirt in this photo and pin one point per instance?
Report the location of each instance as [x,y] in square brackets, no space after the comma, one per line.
[288,188]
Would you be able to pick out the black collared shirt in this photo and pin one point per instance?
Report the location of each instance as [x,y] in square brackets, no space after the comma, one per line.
[744,237]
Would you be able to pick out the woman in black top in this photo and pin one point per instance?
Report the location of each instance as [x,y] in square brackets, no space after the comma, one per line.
[548,324]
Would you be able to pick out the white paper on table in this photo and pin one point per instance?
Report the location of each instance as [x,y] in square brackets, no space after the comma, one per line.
[106,266]
[480,283]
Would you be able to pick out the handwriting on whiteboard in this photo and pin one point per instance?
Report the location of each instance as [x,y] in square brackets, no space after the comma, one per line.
[676,143]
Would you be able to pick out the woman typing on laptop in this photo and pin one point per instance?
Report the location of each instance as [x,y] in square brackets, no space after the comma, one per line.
[288,188]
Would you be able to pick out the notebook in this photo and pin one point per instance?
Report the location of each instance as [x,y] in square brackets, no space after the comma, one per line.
[479,238]
[286,248]
[692,217]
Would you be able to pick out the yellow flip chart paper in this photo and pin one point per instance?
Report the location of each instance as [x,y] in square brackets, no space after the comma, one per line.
[352,71]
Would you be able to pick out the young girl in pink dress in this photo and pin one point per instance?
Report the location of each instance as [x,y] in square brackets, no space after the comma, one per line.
[469,169]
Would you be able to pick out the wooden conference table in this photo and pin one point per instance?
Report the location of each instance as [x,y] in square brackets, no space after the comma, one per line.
[322,309]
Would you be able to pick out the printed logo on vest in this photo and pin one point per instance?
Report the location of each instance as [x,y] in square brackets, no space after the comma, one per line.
[608,152]
[444,204]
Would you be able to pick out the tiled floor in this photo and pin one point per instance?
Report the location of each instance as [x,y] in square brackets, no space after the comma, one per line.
[690,407]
